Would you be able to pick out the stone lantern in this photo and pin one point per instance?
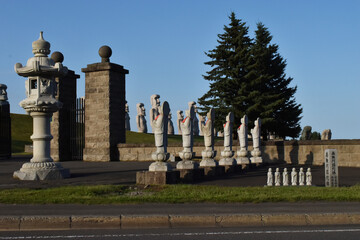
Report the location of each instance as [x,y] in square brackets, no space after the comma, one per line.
[41,103]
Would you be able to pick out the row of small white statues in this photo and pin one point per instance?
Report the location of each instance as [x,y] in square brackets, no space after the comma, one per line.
[302,178]
[159,123]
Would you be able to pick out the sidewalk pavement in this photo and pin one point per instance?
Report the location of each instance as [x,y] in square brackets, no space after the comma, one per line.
[60,216]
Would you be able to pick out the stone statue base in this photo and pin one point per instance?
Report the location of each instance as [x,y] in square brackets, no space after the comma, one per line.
[256,160]
[228,159]
[187,164]
[207,159]
[160,167]
[41,171]
[186,155]
[242,160]
[160,156]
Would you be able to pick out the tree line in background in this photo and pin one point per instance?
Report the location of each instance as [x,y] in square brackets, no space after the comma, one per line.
[247,76]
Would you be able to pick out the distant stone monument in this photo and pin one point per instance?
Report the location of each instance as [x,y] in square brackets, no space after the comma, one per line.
[308,177]
[154,111]
[140,118]
[294,177]
[208,129]
[5,124]
[277,177]
[256,134]
[270,178]
[228,153]
[104,108]
[41,104]
[306,133]
[160,124]
[187,140]
[180,118]
[202,120]
[196,120]
[331,168]
[243,140]
[220,134]
[170,125]
[301,177]
[127,117]
[326,134]
[285,177]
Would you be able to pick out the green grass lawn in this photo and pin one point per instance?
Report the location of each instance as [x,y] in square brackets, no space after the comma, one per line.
[21,130]
[111,194]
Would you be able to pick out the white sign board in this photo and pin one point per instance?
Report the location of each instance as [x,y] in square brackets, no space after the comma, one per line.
[331,168]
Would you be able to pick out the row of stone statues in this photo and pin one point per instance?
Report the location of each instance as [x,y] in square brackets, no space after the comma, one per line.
[159,123]
[301,177]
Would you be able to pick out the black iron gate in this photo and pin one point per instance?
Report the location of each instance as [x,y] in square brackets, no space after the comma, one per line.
[77,129]
[5,131]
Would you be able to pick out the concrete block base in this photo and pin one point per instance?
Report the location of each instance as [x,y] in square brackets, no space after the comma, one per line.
[210,172]
[157,178]
[191,175]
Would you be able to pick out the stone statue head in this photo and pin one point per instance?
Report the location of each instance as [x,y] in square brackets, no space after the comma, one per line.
[211,114]
[244,120]
[301,169]
[126,107]
[230,117]
[3,93]
[258,122]
[293,169]
[277,169]
[309,170]
[155,100]
[180,114]
[269,170]
[285,169]
[140,109]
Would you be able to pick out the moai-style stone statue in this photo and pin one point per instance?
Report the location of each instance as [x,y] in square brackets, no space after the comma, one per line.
[196,120]
[41,104]
[270,179]
[326,134]
[301,177]
[256,134]
[202,120]
[160,124]
[154,111]
[243,140]
[180,118]
[187,140]
[285,177]
[140,118]
[228,153]
[308,177]
[208,129]
[170,125]
[294,177]
[5,123]
[306,133]
[127,117]
[277,177]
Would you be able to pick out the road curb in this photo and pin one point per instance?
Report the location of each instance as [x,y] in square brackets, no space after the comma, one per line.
[57,222]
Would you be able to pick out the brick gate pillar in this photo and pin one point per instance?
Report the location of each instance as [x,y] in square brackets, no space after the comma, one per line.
[104,108]
[62,120]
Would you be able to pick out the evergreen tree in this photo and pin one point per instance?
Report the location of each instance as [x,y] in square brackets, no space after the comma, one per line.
[248,77]
[228,85]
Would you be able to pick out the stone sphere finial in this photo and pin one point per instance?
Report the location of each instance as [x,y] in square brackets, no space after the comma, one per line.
[41,47]
[57,57]
[105,53]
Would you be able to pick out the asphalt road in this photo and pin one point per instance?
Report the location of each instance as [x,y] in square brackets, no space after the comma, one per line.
[254,233]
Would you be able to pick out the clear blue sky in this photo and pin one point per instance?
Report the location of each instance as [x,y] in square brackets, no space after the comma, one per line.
[162,43]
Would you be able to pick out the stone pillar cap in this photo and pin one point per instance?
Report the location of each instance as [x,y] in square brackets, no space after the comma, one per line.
[41,47]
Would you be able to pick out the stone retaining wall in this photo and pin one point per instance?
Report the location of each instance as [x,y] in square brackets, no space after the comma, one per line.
[292,152]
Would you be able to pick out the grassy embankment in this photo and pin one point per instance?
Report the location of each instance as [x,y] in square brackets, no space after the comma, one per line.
[110,194]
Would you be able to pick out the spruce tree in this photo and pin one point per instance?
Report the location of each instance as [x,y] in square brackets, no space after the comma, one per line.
[228,85]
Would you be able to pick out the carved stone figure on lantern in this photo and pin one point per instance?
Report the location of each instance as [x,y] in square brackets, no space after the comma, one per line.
[155,105]
[294,177]
[180,118]
[202,120]
[41,103]
[285,177]
[308,177]
[277,177]
[208,129]
[270,178]
[170,125]
[127,117]
[160,124]
[228,153]
[243,140]
[256,134]
[187,140]
[140,118]
[195,120]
